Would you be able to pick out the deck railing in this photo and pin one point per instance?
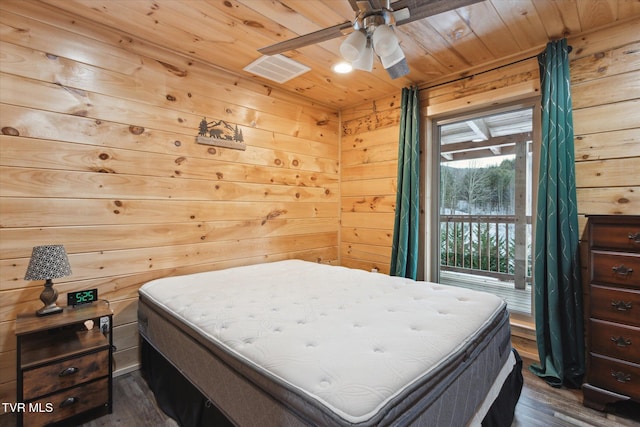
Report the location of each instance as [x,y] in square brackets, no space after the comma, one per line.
[485,245]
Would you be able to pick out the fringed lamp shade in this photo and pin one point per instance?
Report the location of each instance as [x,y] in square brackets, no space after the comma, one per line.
[46,263]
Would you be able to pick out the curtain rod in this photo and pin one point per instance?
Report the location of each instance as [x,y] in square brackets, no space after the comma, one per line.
[569,49]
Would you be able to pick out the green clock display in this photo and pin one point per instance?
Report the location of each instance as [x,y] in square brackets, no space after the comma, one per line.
[82,297]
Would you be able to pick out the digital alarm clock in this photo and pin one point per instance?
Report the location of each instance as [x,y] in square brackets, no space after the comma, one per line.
[82,297]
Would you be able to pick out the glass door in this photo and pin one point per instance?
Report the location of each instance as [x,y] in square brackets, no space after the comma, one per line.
[485,203]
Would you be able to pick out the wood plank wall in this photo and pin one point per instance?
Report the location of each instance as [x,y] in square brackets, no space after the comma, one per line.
[369,162]
[98,153]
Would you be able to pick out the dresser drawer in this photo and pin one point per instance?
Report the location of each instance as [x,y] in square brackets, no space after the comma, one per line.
[615,236]
[615,375]
[57,376]
[615,305]
[615,340]
[67,403]
[616,268]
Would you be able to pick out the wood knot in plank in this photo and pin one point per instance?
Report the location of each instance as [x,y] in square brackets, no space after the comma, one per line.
[7,130]
[136,130]
[273,214]
[105,170]
[174,70]
[252,24]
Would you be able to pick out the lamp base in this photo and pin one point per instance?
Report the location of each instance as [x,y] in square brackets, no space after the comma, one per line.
[49,296]
[45,311]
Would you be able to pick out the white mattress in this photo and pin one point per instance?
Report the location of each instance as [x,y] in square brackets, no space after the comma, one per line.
[349,339]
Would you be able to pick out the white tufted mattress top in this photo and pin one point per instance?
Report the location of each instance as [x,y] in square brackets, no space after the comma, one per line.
[351,339]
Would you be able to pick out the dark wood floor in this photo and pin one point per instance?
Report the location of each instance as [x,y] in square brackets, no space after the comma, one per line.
[539,406]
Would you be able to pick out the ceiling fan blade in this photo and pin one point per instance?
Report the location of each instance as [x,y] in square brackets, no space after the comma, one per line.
[308,39]
[420,9]
[365,5]
[401,14]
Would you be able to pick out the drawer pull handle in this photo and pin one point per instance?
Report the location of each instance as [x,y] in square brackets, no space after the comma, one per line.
[635,238]
[621,377]
[621,305]
[71,400]
[621,341]
[622,270]
[68,371]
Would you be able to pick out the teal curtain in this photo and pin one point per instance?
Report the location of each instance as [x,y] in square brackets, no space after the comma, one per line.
[557,286]
[404,250]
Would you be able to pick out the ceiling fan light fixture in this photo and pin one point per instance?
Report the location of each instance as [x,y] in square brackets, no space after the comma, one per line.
[398,69]
[384,40]
[393,58]
[395,64]
[365,61]
[353,46]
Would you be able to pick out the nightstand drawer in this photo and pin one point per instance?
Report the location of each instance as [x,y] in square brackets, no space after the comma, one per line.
[615,375]
[57,376]
[615,305]
[68,403]
[615,340]
[616,268]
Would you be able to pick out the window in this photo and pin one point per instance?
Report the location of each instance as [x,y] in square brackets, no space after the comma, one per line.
[485,194]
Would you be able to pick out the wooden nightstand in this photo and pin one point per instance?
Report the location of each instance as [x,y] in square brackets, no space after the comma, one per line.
[63,369]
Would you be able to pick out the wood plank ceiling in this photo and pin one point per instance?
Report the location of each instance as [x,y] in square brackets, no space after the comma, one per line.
[227,34]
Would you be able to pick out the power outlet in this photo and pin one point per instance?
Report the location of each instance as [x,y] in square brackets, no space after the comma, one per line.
[104,324]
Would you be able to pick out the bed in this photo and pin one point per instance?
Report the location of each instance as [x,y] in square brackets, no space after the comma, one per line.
[293,343]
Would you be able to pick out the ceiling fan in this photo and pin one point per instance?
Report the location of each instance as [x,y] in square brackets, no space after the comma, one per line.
[371,32]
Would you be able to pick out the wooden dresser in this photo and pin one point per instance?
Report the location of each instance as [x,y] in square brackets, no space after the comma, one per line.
[612,311]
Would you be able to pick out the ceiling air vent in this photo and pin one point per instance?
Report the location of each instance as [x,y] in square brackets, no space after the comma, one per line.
[278,68]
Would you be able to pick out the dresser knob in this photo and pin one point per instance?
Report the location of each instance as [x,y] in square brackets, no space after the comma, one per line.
[621,341]
[621,377]
[621,305]
[622,270]
[635,238]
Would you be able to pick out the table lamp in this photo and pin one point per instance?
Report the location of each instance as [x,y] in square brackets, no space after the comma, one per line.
[48,262]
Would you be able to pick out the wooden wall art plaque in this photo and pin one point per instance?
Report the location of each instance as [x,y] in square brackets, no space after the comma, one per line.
[220,134]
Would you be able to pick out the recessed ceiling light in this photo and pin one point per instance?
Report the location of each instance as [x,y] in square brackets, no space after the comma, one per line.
[342,68]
